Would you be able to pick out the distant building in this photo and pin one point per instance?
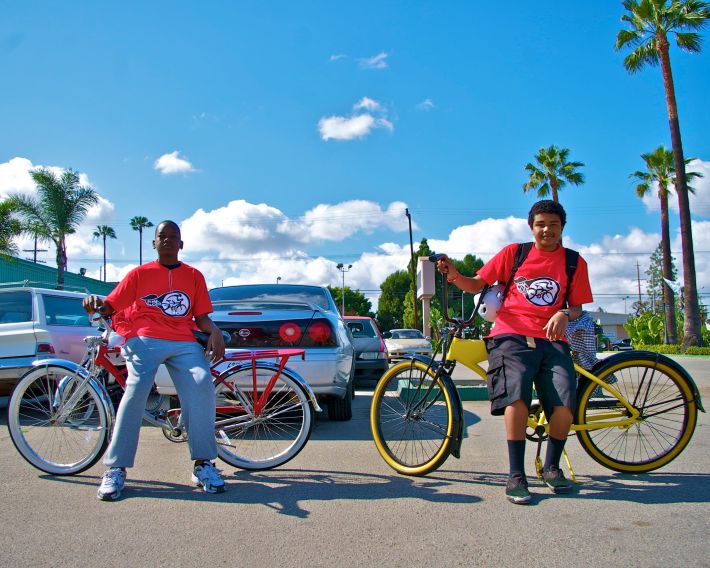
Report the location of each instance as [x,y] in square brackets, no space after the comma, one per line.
[24,272]
[612,324]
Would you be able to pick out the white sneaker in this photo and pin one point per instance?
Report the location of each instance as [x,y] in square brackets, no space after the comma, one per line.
[111,484]
[208,476]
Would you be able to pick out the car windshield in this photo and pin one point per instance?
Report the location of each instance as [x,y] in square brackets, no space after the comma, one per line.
[361,328]
[269,296]
[407,334]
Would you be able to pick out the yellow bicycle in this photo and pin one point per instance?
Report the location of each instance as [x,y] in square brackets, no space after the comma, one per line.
[636,410]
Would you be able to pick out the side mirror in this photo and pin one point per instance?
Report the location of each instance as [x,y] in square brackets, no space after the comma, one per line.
[428,338]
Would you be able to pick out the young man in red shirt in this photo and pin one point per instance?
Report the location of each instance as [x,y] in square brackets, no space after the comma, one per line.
[160,303]
[527,343]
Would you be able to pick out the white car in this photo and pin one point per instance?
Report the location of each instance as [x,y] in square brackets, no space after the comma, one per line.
[270,316]
[401,342]
[39,323]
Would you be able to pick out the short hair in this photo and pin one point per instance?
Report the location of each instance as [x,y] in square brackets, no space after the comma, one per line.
[168,222]
[547,206]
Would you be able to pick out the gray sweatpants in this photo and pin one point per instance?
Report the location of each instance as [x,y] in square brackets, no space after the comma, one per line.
[188,367]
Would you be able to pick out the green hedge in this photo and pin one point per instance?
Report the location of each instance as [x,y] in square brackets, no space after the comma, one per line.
[675,349]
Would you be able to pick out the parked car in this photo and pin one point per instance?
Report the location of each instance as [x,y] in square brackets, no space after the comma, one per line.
[39,323]
[400,342]
[621,345]
[371,357]
[269,316]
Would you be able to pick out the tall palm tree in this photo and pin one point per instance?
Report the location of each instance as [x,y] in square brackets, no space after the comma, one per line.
[650,23]
[138,224]
[660,170]
[60,206]
[104,232]
[553,173]
[9,229]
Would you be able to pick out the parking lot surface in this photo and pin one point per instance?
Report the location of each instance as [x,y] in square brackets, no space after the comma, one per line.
[338,503]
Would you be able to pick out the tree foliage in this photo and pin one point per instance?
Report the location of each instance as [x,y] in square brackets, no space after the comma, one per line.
[139,223]
[10,228]
[552,172]
[356,304]
[390,310]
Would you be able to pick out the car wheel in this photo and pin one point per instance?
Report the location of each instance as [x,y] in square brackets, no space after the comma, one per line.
[341,409]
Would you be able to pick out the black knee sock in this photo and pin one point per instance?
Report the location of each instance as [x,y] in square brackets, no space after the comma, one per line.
[555,448]
[516,456]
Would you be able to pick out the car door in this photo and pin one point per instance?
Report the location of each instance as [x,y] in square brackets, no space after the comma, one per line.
[67,324]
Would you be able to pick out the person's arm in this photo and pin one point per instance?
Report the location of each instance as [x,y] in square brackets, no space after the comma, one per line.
[215,344]
[470,284]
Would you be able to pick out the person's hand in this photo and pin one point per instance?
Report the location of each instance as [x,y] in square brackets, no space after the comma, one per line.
[447,268]
[215,345]
[92,304]
[556,326]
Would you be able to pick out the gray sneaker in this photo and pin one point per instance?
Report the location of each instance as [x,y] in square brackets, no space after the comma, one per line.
[111,484]
[208,477]
[516,490]
[556,480]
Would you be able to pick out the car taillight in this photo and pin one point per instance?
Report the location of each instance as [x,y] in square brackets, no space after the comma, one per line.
[45,348]
[290,332]
[319,332]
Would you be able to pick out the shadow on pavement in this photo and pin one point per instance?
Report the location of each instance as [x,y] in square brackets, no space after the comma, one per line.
[287,491]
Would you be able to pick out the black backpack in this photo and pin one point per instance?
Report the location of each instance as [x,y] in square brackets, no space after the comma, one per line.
[571,258]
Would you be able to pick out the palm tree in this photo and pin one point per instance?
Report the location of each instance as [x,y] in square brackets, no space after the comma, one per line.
[660,170]
[104,232]
[650,22]
[60,206]
[138,224]
[9,229]
[554,172]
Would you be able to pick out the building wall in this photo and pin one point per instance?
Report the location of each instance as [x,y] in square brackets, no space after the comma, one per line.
[29,273]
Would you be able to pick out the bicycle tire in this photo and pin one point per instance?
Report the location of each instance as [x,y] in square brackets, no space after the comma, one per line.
[413,435]
[59,443]
[274,437]
[654,386]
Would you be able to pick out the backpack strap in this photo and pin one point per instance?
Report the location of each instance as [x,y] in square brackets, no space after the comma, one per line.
[521,254]
[571,258]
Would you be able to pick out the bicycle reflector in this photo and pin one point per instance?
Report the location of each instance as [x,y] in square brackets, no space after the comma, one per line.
[492,301]
[290,332]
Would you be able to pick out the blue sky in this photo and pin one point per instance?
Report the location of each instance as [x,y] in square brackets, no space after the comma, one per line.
[287,137]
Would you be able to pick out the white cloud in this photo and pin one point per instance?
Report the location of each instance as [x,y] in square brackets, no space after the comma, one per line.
[172,163]
[367,103]
[699,201]
[337,56]
[378,61]
[426,104]
[357,125]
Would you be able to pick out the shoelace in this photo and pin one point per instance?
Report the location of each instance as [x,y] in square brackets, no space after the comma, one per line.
[114,474]
[210,471]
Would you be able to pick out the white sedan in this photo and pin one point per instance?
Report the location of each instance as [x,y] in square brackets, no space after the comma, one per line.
[400,342]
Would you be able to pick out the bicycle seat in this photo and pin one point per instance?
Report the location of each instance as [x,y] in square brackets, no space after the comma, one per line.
[203,337]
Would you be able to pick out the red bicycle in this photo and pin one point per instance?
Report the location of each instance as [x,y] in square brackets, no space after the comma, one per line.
[61,414]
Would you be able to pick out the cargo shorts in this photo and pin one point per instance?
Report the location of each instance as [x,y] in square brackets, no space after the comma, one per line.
[516,363]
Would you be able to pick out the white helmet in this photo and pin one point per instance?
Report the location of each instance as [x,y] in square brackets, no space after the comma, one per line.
[492,301]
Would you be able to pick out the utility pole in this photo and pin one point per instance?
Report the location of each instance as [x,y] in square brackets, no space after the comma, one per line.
[35,250]
[638,280]
[412,269]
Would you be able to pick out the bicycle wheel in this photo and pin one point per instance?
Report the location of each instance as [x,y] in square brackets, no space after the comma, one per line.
[663,397]
[412,419]
[264,439]
[49,434]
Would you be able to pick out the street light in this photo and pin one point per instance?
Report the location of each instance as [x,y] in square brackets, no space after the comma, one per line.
[340,266]
[278,279]
[625,298]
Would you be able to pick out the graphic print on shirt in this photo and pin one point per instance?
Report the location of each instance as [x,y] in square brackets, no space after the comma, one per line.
[540,291]
[174,304]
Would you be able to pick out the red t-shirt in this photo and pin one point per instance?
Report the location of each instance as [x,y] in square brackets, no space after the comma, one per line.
[538,289]
[162,302]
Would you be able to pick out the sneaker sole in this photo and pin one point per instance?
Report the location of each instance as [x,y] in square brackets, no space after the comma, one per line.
[108,496]
[560,490]
[519,500]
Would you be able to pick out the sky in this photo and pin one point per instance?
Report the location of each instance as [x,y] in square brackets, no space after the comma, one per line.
[288,137]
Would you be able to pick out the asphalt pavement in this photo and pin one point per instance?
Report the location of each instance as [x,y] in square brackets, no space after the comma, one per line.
[339,504]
